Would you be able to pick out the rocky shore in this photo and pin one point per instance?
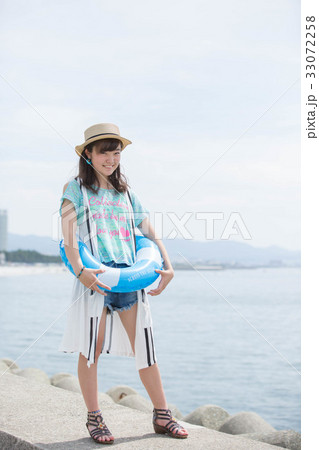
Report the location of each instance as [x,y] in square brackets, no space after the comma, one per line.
[244,425]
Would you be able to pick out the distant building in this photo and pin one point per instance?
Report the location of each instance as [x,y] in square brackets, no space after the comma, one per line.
[3,230]
[2,258]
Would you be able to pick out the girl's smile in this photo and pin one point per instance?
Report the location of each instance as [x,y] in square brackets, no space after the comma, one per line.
[109,167]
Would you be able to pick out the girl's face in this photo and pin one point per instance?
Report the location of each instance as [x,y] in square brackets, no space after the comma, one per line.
[105,162]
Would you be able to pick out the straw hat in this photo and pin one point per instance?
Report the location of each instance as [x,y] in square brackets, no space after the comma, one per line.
[101,131]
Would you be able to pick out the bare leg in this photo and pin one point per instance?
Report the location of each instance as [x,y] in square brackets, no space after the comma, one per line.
[88,376]
[150,376]
[152,381]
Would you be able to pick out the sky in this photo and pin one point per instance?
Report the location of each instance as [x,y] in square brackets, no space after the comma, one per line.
[208,93]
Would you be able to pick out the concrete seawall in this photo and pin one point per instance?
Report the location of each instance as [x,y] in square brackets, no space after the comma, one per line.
[35,415]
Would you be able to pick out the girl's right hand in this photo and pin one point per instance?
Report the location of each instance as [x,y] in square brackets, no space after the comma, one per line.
[90,280]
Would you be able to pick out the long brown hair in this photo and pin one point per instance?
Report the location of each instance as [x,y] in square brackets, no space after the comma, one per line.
[88,174]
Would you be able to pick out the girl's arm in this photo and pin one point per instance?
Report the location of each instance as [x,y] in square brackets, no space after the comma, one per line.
[168,273]
[69,224]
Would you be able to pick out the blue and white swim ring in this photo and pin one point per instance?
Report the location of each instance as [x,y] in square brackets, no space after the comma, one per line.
[128,279]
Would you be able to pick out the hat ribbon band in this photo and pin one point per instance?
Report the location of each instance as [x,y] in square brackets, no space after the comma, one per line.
[102,134]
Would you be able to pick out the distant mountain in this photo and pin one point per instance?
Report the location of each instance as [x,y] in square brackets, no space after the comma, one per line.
[229,252]
[213,252]
[41,244]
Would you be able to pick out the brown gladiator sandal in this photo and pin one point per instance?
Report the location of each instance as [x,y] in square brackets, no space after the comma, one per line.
[171,428]
[95,419]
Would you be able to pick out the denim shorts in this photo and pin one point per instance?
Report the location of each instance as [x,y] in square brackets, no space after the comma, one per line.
[119,301]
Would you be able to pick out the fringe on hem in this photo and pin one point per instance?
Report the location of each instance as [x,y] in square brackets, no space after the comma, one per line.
[124,308]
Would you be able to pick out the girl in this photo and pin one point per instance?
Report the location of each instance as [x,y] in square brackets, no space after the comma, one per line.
[95,207]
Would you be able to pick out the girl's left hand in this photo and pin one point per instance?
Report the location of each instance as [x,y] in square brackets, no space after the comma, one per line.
[167,275]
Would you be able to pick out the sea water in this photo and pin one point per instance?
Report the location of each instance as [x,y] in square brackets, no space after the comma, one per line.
[229,338]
